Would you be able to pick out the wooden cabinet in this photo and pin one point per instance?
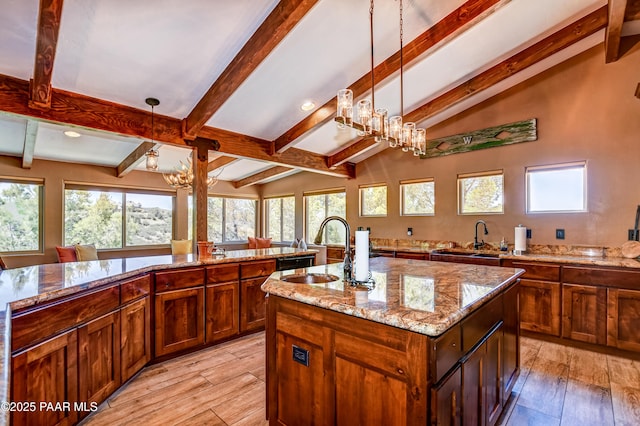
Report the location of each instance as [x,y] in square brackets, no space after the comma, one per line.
[446,400]
[252,298]
[47,372]
[511,340]
[584,313]
[179,320]
[623,319]
[99,358]
[222,303]
[135,337]
[412,255]
[335,254]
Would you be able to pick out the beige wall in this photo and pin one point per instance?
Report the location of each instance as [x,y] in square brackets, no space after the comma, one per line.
[586,110]
[55,174]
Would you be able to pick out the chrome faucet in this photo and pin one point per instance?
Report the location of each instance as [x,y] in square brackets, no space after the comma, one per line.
[348,263]
[476,244]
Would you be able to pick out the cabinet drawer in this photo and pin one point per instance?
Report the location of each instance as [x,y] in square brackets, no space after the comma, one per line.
[448,350]
[37,324]
[183,278]
[536,271]
[257,269]
[135,288]
[222,273]
[601,276]
[476,326]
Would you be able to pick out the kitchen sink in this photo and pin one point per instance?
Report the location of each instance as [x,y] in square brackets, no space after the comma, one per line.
[309,278]
[467,254]
[490,259]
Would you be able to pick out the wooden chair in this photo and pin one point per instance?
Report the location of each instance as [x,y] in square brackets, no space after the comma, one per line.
[2,265]
[181,246]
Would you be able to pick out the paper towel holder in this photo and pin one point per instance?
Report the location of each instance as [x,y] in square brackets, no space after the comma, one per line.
[518,249]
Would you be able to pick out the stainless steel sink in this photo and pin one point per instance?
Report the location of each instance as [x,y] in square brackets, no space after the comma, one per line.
[310,278]
[467,254]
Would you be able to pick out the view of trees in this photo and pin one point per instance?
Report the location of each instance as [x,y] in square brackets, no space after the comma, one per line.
[96,217]
[281,218]
[481,194]
[318,207]
[231,219]
[418,198]
[373,200]
[19,217]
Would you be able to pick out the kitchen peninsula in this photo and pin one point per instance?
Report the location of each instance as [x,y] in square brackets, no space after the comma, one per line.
[74,332]
[432,343]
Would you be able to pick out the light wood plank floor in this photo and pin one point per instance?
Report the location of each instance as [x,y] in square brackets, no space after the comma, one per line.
[225,386]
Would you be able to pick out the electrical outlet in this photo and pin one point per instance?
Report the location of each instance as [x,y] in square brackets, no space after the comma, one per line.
[409,231]
[528,233]
[633,235]
[559,234]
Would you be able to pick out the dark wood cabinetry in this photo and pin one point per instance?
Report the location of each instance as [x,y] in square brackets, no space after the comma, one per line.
[99,358]
[584,313]
[623,320]
[335,254]
[446,400]
[252,298]
[179,320]
[135,337]
[47,372]
[222,304]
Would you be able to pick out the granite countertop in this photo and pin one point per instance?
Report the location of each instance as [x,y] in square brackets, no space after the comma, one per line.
[421,296]
[28,286]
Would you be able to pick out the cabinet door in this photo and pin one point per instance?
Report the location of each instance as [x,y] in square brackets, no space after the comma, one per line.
[446,400]
[511,341]
[409,255]
[623,321]
[252,305]
[179,320]
[493,377]
[584,313]
[222,311]
[540,306]
[135,337]
[99,358]
[473,384]
[47,372]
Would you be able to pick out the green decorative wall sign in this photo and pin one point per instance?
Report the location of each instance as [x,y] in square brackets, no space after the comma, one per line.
[506,134]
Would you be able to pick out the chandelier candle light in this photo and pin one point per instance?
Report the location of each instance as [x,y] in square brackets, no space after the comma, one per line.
[182,178]
[372,121]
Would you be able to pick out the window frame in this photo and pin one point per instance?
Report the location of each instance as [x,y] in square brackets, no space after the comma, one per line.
[361,197]
[123,191]
[40,184]
[403,183]
[488,173]
[557,167]
[265,209]
[305,207]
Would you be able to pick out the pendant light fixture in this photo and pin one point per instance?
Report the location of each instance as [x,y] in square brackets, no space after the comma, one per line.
[371,121]
[152,154]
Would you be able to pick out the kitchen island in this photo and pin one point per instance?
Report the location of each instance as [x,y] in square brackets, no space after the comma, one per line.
[73,333]
[432,343]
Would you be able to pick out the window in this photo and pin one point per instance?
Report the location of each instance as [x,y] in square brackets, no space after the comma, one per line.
[373,200]
[96,216]
[20,218]
[231,219]
[557,188]
[280,218]
[417,197]
[481,193]
[318,206]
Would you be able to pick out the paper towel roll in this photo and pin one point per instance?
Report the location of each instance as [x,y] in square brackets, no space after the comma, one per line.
[520,239]
[362,256]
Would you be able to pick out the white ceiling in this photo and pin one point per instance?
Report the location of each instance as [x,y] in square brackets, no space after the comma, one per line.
[124,52]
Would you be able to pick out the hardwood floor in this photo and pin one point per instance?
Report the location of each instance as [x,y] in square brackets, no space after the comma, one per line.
[225,385]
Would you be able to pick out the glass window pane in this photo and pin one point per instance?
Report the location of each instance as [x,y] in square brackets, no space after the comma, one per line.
[274,218]
[214,219]
[93,217]
[315,212]
[481,194]
[373,201]
[288,219]
[556,190]
[19,217]
[190,218]
[336,206]
[240,219]
[149,219]
[418,198]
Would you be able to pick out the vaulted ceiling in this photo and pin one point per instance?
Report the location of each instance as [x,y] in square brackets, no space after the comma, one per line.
[238,71]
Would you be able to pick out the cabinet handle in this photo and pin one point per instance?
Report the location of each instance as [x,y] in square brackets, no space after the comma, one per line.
[167,285]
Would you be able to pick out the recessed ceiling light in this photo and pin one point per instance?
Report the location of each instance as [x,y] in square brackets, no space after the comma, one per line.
[307,106]
[72,134]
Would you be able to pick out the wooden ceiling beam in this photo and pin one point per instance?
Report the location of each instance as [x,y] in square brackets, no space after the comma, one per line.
[261,176]
[30,136]
[220,162]
[133,159]
[633,10]
[282,19]
[516,63]
[360,146]
[616,11]
[467,15]
[46,42]
[92,113]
